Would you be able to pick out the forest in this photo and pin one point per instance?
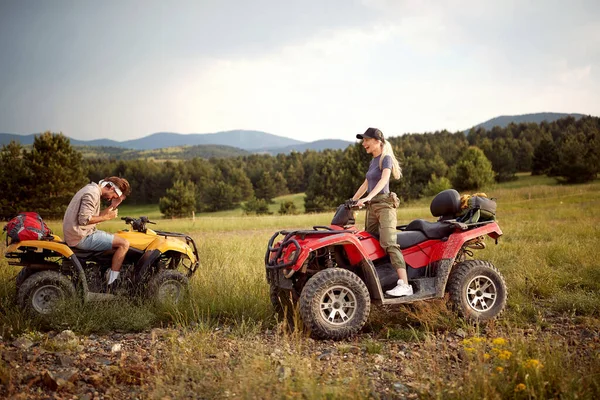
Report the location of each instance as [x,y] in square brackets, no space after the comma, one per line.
[44,176]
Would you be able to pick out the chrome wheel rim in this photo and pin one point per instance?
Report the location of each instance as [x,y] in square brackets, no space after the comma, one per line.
[481,293]
[337,305]
[45,298]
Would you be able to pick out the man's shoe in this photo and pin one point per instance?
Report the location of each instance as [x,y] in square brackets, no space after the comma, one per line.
[401,289]
[114,287]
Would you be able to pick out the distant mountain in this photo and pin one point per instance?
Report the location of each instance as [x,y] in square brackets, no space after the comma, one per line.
[504,120]
[167,145]
[246,140]
[243,139]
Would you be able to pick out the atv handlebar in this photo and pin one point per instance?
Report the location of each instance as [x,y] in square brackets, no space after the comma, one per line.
[352,204]
[138,224]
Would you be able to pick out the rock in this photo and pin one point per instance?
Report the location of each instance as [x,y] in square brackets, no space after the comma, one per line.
[325,356]
[116,348]
[22,343]
[379,359]
[95,380]
[461,333]
[65,360]
[400,387]
[104,361]
[10,356]
[408,371]
[66,340]
[55,380]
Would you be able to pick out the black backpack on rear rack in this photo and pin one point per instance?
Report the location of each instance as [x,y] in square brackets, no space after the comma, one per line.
[478,209]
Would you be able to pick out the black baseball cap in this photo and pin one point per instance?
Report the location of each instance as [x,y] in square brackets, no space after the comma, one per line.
[372,133]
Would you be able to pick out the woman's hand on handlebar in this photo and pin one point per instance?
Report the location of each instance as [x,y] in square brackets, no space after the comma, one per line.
[361,203]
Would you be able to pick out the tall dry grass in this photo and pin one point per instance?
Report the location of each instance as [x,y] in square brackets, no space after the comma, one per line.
[549,255]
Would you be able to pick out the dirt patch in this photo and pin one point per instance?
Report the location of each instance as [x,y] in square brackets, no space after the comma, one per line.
[64,365]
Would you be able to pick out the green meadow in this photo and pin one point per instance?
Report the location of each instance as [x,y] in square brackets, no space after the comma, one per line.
[545,345]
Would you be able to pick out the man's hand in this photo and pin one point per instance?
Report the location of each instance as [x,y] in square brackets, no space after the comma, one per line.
[109,213]
[115,202]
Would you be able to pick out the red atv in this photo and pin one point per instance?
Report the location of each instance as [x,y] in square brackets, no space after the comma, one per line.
[330,274]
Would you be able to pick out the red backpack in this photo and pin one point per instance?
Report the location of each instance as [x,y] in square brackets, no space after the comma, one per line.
[27,226]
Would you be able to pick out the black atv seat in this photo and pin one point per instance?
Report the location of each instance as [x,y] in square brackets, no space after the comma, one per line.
[85,254]
[432,230]
[407,239]
[89,254]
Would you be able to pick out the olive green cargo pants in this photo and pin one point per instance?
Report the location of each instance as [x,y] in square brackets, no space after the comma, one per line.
[381,219]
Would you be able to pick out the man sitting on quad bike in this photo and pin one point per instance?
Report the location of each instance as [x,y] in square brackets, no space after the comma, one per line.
[381,204]
[83,214]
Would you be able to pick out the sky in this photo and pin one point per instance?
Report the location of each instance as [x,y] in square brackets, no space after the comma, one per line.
[306,69]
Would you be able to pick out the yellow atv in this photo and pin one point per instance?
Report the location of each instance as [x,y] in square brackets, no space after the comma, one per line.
[157,266]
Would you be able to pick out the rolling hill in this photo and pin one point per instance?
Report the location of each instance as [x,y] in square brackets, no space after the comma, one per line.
[168,153]
[503,120]
[167,145]
[243,139]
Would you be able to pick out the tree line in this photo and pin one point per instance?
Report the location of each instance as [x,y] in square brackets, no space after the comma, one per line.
[44,177]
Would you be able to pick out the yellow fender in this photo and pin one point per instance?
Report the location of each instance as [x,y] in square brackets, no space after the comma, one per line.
[52,245]
[163,245]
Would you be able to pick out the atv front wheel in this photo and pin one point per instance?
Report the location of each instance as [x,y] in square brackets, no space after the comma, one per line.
[40,293]
[334,304]
[168,286]
[477,290]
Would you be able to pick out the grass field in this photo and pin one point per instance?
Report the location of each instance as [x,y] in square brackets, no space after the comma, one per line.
[545,345]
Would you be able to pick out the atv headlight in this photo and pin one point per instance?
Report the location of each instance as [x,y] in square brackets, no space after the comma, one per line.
[292,255]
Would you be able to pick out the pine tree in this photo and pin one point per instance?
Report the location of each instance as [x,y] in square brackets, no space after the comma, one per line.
[472,171]
[179,201]
[15,180]
[56,174]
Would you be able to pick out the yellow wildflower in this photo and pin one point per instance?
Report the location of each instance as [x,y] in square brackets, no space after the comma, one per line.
[478,340]
[520,387]
[486,356]
[504,355]
[469,349]
[467,342]
[532,363]
[499,369]
[499,341]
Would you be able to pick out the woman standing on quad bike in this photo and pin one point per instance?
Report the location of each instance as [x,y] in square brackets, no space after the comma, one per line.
[381,204]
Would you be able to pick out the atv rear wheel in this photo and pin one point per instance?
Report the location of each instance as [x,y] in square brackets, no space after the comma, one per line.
[334,304]
[477,290]
[42,292]
[168,286]
[22,275]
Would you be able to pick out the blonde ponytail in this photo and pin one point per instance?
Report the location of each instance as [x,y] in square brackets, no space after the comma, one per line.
[388,151]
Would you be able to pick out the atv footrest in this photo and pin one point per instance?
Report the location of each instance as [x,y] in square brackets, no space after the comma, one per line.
[423,284]
[424,288]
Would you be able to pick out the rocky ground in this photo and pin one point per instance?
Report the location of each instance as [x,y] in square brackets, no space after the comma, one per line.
[64,365]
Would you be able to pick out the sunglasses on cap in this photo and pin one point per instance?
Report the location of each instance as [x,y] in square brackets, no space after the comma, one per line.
[113,186]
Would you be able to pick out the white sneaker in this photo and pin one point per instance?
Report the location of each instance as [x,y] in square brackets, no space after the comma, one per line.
[401,289]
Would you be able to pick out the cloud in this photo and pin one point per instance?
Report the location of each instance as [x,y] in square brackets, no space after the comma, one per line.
[404,66]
